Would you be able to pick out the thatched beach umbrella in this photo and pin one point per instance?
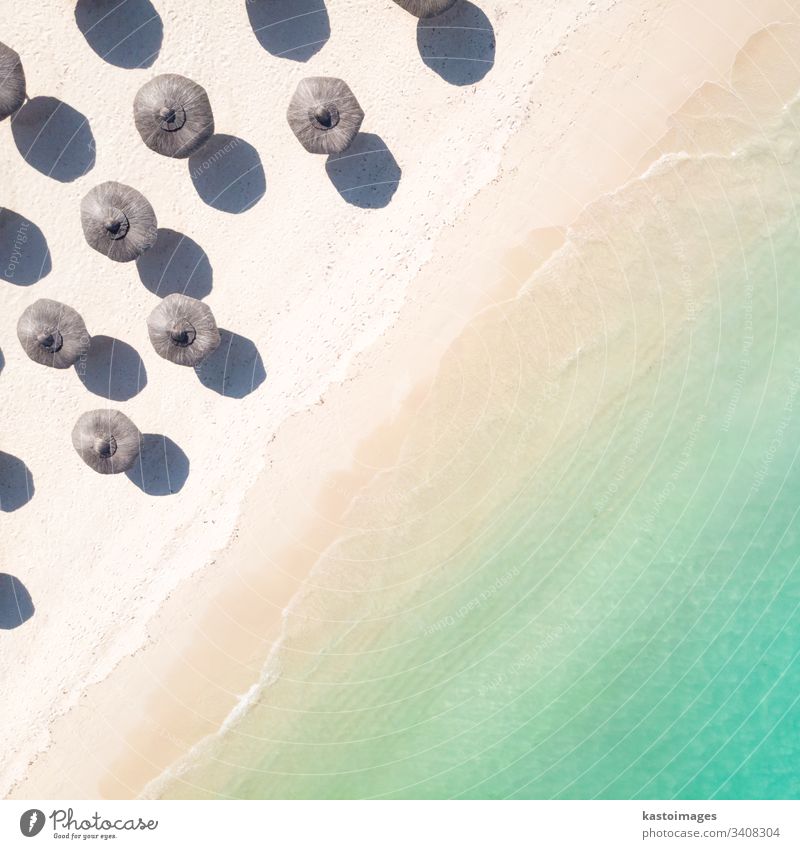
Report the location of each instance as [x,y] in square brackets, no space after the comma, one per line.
[107,440]
[173,115]
[53,334]
[118,221]
[324,115]
[12,82]
[426,8]
[183,330]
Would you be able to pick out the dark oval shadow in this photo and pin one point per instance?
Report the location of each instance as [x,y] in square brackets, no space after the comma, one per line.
[459,45]
[366,174]
[162,467]
[2,362]
[54,138]
[16,483]
[112,369]
[175,264]
[228,174]
[16,605]
[125,33]
[26,257]
[235,369]
[291,29]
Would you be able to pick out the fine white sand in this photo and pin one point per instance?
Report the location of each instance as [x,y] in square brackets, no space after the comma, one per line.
[348,307]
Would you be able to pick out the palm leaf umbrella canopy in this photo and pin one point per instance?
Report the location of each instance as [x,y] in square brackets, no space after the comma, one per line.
[426,8]
[173,115]
[118,221]
[324,115]
[53,334]
[183,330]
[12,82]
[107,440]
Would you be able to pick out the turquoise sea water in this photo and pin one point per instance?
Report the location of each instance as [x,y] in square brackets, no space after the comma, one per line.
[582,581]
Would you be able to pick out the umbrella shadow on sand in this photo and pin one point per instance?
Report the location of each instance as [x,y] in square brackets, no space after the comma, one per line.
[235,369]
[290,29]
[127,35]
[458,45]
[16,483]
[112,369]
[227,174]
[54,138]
[366,174]
[162,467]
[16,605]
[176,264]
[24,247]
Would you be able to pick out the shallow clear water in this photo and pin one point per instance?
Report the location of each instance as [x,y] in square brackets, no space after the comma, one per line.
[582,580]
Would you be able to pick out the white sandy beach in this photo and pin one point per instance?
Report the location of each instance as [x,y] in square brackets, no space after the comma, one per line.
[154,613]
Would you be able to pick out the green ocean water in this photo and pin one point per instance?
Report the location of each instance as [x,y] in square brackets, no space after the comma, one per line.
[582,580]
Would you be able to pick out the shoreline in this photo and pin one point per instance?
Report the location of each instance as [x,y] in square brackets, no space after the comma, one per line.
[225,639]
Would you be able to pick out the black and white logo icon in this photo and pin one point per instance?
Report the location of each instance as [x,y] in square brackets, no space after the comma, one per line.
[31,822]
